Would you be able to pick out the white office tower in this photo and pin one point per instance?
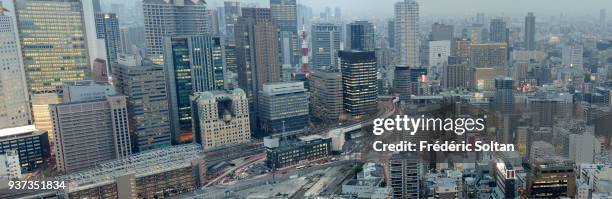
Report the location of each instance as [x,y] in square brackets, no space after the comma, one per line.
[571,56]
[14,107]
[407,32]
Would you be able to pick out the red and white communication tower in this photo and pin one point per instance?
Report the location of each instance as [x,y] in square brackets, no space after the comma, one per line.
[305,67]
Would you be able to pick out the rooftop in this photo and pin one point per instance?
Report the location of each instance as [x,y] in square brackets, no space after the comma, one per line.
[7,132]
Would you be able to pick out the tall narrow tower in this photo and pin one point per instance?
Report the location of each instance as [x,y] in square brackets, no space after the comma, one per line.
[407,32]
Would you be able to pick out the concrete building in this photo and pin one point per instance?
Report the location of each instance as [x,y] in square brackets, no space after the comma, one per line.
[407,32]
[326,94]
[404,176]
[489,55]
[256,53]
[582,147]
[506,180]
[193,64]
[407,80]
[571,56]
[9,165]
[359,85]
[14,102]
[439,51]
[551,179]
[90,132]
[283,108]
[30,144]
[326,42]
[162,18]
[454,74]
[164,172]
[504,98]
[285,153]
[530,32]
[441,32]
[145,86]
[86,90]
[498,32]
[360,36]
[221,118]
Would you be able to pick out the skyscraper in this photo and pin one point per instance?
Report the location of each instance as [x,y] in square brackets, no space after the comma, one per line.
[498,32]
[359,85]
[107,28]
[530,32]
[407,32]
[221,118]
[284,13]
[360,36]
[90,132]
[283,108]
[326,40]
[232,12]
[177,17]
[504,98]
[441,32]
[145,86]
[55,38]
[391,33]
[14,103]
[256,53]
[193,64]
[603,25]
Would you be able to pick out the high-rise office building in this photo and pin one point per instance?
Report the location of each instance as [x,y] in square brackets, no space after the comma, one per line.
[284,13]
[530,32]
[221,118]
[177,17]
[90,132]
[326,40]
[326,94]
[107,28]
[504,98]
[404,176]
[454,74]
[14,100]
[360,36]
[571,56]
[232,11]
[193,64]
[391,33]
[407,32]
[283,108]
[440,32]
[489,55]
[359,86]
[54,38]
[603,24]
[498,32]
[256,53]
[145,86]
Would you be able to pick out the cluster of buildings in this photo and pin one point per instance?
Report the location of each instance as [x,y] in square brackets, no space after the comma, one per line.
[119,100]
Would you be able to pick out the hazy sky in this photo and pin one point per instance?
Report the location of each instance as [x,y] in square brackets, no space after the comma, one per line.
[384,8]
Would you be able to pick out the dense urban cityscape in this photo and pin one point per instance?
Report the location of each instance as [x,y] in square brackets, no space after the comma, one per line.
[304,99]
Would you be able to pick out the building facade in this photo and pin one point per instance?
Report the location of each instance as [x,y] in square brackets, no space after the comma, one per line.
[30,144]
[221,118]
[145,86]
[489,55]
[530,32]
[326,40]
[404,176]
[285,15]
[15,107]
[283,108]
[107,28]
[359,85]
[407,32]
[177,17]
[360,36]
[326,94]
[90,132]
